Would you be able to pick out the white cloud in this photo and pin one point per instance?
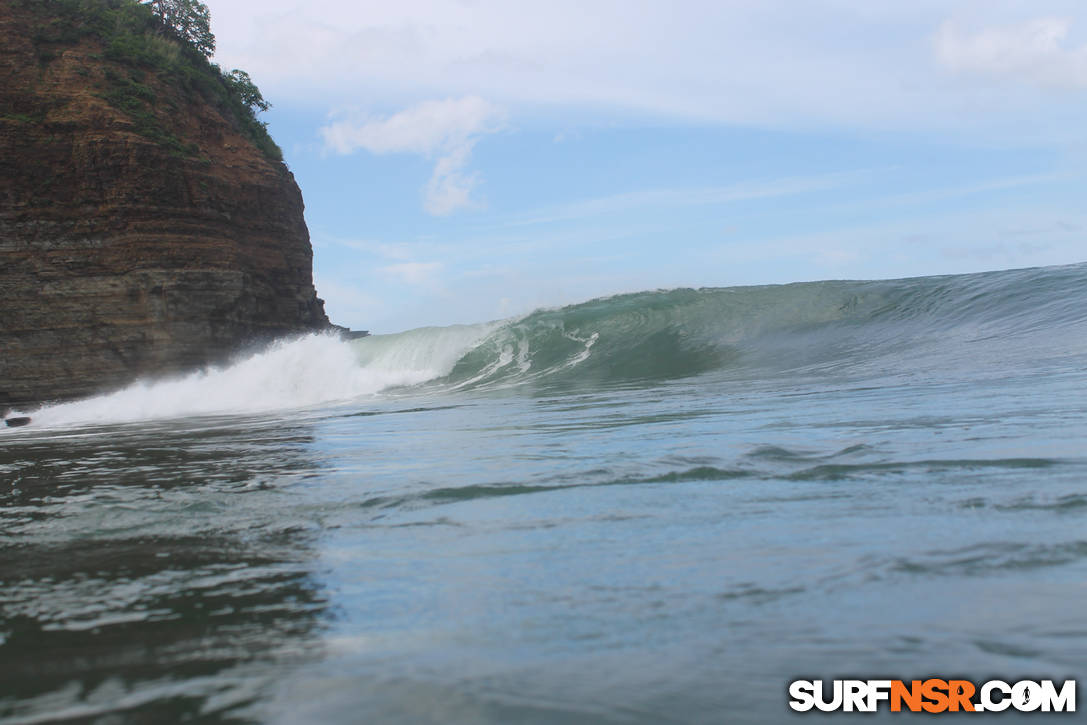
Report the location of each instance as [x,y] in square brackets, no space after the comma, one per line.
[420,274]
[345,303]
[853,63]
[1034,51]
[398,251]
[425,128]
[447,129]
[450,188]
[692,196]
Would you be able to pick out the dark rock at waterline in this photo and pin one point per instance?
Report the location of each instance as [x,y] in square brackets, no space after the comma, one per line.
[347,333]
[131,248]
[16,422]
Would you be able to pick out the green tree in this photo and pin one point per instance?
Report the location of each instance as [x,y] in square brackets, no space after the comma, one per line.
[246,91]
[190,20]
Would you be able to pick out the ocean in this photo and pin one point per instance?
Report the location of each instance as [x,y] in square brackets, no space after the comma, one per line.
[658,507]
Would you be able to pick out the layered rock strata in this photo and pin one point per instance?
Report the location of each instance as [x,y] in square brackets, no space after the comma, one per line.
[121,254]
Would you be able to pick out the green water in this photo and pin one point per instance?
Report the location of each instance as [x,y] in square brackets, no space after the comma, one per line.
[648,509]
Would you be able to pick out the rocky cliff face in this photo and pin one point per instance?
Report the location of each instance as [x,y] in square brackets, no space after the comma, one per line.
[142,231]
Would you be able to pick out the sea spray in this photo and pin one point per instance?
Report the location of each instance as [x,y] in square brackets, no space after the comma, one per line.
[678,503]
[290,374]
[891,328]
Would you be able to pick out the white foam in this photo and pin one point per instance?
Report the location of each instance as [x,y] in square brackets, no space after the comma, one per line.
[304,372]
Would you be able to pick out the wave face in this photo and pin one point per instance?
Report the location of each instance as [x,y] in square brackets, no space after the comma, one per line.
[813,328]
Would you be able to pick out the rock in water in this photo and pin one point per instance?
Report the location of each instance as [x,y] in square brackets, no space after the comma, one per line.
[146,225]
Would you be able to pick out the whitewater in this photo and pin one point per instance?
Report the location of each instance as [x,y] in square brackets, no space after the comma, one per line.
[652,507]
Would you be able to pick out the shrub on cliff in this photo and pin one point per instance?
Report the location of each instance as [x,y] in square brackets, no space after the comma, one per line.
[190,20]
[246,91]
[169,38]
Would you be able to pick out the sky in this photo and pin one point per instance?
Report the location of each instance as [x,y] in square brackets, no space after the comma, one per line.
[471,160]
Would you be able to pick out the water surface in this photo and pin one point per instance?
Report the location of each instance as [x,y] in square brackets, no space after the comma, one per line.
[650,508]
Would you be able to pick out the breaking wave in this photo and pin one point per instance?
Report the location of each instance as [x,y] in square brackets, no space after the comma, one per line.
[815,328]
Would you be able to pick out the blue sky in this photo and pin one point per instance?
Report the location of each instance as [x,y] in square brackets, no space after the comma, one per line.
[466,161]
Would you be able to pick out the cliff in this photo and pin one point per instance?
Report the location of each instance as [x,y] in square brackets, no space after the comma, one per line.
[146,224]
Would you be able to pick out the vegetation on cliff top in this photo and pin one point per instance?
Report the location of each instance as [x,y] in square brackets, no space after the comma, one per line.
[170,39]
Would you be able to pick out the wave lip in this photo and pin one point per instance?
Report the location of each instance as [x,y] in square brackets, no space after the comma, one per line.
[808,327]
[857,329]
[313,370]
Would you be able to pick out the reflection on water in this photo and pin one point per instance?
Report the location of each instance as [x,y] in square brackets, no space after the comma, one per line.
[150,573]
[635,552]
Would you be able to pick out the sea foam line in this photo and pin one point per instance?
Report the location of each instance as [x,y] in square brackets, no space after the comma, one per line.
[303,372]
